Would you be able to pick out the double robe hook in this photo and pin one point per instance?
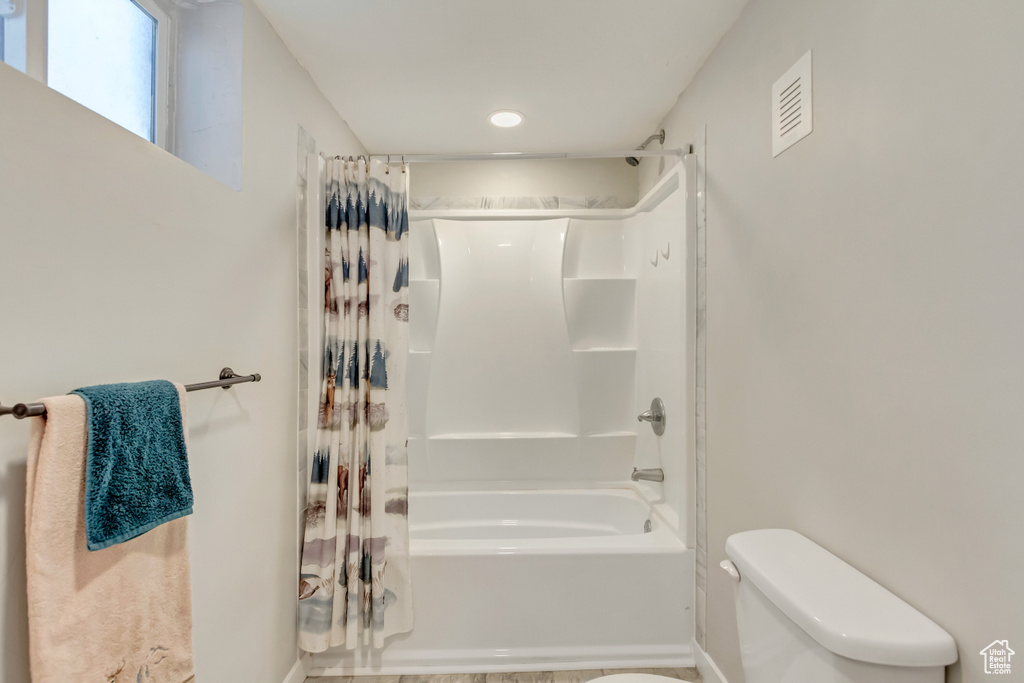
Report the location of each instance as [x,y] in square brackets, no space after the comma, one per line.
[664,254]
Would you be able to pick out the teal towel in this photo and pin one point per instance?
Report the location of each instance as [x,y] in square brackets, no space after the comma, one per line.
[136,472]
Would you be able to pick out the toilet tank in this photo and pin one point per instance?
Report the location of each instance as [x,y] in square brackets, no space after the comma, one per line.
[806,616]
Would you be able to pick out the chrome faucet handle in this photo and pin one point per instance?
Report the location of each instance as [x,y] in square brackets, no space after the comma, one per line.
[656,416]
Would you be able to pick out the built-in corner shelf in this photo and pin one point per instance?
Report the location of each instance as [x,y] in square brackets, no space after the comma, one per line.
[600,314]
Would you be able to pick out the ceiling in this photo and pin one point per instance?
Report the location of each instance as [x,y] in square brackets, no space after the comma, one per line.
[421,76]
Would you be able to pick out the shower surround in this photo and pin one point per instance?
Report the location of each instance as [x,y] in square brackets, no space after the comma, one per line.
[536,337]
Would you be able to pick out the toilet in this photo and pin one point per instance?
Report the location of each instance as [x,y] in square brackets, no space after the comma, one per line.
[806,616]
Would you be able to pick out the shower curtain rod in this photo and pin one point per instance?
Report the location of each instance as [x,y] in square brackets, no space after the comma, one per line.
[499,156]
[227,378]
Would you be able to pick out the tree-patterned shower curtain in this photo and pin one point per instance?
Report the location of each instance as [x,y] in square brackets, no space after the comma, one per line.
[354,586]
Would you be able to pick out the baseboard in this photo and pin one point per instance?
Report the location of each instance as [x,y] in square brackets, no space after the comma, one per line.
[296,675]
[709,671]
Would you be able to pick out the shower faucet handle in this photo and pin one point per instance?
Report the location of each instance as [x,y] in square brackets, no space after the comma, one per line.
[656,416]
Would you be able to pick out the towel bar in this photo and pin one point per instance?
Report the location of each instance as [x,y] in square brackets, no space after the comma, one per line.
[227,378]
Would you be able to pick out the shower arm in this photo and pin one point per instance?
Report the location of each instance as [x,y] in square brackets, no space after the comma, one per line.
[659,136]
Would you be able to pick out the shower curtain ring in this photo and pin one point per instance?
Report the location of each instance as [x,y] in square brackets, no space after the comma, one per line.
[403,163]
[387,167]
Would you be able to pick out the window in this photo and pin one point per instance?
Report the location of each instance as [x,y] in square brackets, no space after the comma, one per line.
[12,33]
[167,70]
[7,28]
[112,56]
[103,54]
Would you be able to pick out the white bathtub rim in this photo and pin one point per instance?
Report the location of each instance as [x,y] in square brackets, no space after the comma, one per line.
[657,542]
[520,660]
[667,514]
[663,538]
[624,490]
[521,514]
[539,528]
[512,485]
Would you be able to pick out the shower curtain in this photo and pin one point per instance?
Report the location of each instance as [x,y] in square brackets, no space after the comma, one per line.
[354,585]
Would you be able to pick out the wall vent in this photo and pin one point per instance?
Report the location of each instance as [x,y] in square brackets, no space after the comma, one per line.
[791,106]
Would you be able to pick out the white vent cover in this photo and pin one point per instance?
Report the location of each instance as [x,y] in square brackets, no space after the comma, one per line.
[791,106]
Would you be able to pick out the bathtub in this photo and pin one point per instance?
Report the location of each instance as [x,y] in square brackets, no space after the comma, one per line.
[537,580]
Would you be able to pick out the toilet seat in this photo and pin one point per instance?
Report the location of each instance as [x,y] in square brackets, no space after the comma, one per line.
[635,678]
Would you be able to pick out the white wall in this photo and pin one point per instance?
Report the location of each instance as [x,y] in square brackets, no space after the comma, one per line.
[864,322]
[120,263]
[208,94]
[526,178]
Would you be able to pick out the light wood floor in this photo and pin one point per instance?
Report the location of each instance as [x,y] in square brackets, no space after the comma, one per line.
[532,677]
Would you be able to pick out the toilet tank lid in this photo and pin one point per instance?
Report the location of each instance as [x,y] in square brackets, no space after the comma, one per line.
[842,609]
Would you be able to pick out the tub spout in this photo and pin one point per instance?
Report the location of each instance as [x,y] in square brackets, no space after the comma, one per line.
[653,474]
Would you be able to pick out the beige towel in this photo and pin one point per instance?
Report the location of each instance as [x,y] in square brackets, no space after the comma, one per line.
[118,615]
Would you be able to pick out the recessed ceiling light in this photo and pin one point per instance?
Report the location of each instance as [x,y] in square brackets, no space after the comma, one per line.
[506,118]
